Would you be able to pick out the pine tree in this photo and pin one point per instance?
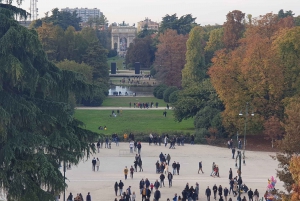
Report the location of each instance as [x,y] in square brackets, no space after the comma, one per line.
[37,127]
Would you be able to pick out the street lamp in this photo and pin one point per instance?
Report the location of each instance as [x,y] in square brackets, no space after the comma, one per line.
[246,114]
[239,173]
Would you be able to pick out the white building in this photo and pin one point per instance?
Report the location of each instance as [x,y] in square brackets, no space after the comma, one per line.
[84,13]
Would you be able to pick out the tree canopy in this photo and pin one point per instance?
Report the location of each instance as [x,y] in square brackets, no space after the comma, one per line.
[37,127]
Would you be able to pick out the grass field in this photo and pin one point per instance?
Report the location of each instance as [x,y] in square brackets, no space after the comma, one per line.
[141,120]
[124,101]
[118,60]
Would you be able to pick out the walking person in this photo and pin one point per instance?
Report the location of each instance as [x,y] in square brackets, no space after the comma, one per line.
[250,195]
[88,197]
[170,177]
[208,193]
[215,190]
[231,183]
[98,164]
[116,188]
[157,195]
[220,189]
[131,172]
[166,141]
[70,197]
[233,152]
[125,172]
[230,174]
[121,184]
[94,164]
[168,159]
[162,179]
[131,145]
[178,167]
[174,167]
[225,193]
[139,147]
[213,169]
[200,167]
[256,195]
[98,146]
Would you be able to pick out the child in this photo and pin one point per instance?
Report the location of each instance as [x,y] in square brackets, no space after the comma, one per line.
[133,196]
[151,186]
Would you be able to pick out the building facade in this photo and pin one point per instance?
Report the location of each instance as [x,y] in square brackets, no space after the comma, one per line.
[84,13]
[121,37]
[150,24]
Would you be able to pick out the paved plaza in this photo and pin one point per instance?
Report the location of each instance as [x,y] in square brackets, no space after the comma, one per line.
[81,179]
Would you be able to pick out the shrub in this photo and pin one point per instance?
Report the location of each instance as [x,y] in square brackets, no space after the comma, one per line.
[173,96]
[112,53]
[157,88]
[168,92]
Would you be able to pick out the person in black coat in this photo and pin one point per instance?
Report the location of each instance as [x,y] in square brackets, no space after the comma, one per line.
[215,189]
[162,179]
[157,195]
[208,193]
[220,189]
[178,167]
[225,193]
[116,188]
[250,195]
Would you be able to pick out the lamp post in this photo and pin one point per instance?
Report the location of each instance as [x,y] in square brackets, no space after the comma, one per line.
[246,114]
[64,180]
[240,174]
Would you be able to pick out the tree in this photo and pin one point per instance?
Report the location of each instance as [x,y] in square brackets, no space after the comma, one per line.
[282,14]
[215,43]
[170,57]
[183,25]
[233,28]
[168,92]
[254,72]
[146,32]
[142,50]
[82,68]
[290,144]
[63,19]
[194,70]
[96,56]
[37,127]
[273,129]
[294,169]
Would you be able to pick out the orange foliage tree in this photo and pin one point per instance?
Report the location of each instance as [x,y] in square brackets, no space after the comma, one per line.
[170,57]
[251,73]
[295,171]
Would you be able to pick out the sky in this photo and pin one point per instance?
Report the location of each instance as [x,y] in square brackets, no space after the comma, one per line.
[206,11]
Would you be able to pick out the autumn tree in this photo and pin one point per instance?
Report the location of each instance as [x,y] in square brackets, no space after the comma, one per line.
[194,70]
[233,28]
[252,73]
[273,129]
[294,169]
[37,127]
[170,57]
[290,144]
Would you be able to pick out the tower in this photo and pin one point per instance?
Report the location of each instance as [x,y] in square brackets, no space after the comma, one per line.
[33,9]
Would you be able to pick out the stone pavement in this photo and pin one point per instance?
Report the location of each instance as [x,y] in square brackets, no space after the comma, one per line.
[81,179]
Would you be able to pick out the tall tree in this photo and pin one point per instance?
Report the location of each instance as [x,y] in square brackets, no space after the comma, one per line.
[233,28]
[142,50]
[183,25]
[170,57]
[252,73]
[37,128]
[63,19]
[194,70]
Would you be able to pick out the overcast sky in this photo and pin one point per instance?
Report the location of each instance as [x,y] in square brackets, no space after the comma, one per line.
[206,11]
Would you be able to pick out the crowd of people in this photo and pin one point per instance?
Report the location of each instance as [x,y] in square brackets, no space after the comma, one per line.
[166,170]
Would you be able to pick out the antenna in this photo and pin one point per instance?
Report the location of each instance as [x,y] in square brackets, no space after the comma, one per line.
[33,9]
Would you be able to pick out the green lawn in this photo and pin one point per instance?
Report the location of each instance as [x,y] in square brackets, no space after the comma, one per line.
[118,60]
[133,120]
[124,101]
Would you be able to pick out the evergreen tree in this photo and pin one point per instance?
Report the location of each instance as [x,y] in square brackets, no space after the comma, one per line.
[37,127]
